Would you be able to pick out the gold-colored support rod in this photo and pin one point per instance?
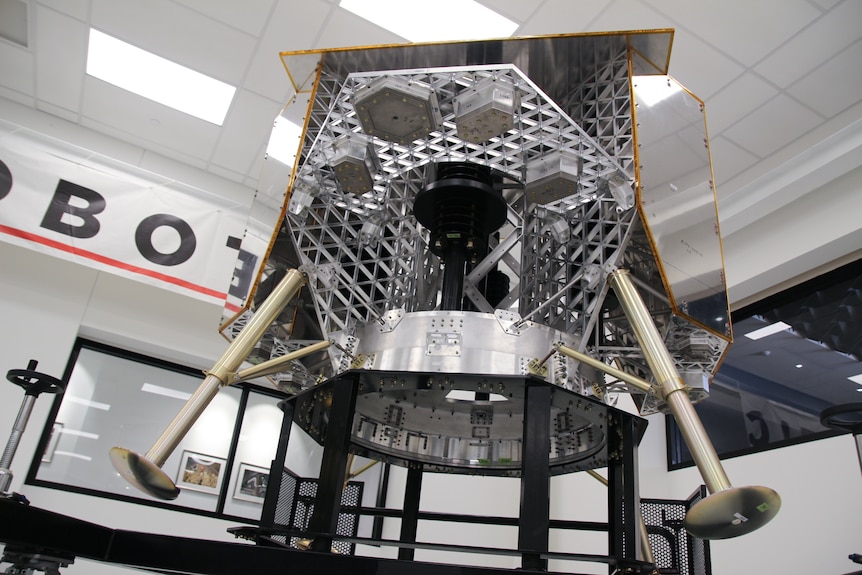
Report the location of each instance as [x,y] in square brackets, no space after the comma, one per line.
[633,380]
[354,474]
[729,511]
[278,364]
[228,363]
[670,385]
[145,472]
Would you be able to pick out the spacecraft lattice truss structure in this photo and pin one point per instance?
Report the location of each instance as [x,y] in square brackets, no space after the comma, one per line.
[594,179]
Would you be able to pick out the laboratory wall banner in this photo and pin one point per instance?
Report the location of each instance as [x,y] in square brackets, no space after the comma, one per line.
[100,213]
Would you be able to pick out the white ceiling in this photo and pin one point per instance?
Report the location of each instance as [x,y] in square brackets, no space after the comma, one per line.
[781,80]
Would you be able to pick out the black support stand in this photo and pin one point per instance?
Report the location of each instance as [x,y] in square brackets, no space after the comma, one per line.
[535,478]
[410,518]
[276,472]
[549,444]
[623,499]
[333,470]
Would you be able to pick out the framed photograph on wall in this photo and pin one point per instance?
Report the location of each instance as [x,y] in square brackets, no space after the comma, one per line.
[200,472]
[251,483]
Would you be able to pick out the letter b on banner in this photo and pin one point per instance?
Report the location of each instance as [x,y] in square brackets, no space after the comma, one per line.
[61,206]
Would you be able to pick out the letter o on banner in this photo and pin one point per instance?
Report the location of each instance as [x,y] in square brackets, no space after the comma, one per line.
[5,180]
[144,239]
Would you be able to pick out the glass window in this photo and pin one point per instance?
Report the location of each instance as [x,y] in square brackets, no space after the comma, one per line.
[794,355]
[117,398]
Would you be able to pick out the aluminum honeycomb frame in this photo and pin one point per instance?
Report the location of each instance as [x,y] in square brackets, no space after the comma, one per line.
[556,255]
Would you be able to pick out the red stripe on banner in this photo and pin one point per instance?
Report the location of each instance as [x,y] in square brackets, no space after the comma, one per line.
[110,261]
[232,307]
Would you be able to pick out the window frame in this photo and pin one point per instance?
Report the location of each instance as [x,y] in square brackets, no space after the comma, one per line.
[226,487]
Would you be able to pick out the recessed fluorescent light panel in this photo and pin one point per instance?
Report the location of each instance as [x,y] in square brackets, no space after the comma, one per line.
[650,90]
[438,21]
[464,395]
[74,455]
[166,391]
[79,433]
[86,402]
[157,79]
[768,330]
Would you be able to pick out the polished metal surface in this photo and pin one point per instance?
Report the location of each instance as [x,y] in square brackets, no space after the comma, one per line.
[14,439]
[563,155]
[729,511]
[636,382]
[678,201]
[143,473]
[565,160]
[456,342]
[583,206]
[733,512]
[278,364]
[464,423]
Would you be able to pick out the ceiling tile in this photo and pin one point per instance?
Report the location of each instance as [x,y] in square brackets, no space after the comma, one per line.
[346,29]
[747,33]
[515,10]
[250,120]
[772,126]
[728,160]
[689,57]
[16,68]
[629,15]
[174,32]
[827,4]
[826,37]
[250,16]
[561,17]
[60,48]
[146,120]
[266,75]
[75,8]
[833,86]
[736,100]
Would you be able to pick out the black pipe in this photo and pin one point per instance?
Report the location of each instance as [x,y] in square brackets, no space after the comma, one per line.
[460,209]
[455,258]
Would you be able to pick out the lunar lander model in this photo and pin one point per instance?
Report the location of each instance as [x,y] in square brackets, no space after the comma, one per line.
[492,240]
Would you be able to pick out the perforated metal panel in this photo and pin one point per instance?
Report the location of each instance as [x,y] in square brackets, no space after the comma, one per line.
[295,507]
[284,506]
[675,551]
